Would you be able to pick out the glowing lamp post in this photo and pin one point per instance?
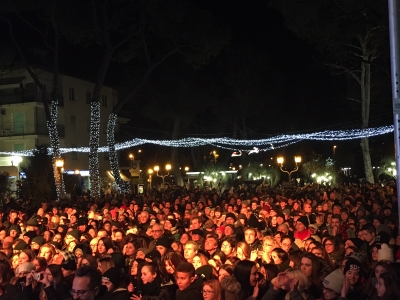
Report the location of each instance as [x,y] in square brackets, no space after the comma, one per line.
[150,171]
[168,168]
[297,160]
[60,168]
[187,170]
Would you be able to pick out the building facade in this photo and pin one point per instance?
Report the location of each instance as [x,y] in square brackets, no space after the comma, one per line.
[23,119]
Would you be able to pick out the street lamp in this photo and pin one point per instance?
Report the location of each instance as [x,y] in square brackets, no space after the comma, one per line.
[60,168]
[297,160]
[334,150]
[168,168]
[150,171]
[187,170]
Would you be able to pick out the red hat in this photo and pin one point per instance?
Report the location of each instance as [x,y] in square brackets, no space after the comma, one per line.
[267,208]
[221,228]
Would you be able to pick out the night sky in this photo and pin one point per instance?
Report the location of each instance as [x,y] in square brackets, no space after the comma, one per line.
[290,88]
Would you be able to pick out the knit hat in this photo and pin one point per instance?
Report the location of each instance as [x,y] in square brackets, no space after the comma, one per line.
[172,221]
[154,254]
[74,233]
[304,220]
[230,215]
[242,216]
[30,234]
[220,228]
[39,240]
[267,208]
[231,226]
[334,281]
[21,245]
[197,231]
[204,272]
[69,260]
[83,221]
[385,253]
[114,275]
[382,238]
[56,245]
[25,267]
[209,224]
[144,250]
[164,241]
[352,264]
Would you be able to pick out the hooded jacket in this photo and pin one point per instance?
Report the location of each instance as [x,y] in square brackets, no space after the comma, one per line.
[193,292]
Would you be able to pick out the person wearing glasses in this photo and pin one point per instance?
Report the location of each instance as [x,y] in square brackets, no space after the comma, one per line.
[332,285]
[157,231]
[87,284]
[212,290]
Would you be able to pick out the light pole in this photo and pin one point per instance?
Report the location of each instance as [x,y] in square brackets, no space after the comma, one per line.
[168,168]
[60,168]
[150,171]
[297,160]
[334,150]
[186,170]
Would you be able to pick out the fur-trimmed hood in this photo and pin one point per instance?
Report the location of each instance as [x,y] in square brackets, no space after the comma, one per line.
[230,284]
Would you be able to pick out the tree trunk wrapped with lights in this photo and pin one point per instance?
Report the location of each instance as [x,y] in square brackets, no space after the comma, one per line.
[94,147]
[113,157]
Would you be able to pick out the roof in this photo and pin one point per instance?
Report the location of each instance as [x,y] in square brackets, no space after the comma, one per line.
[11,80]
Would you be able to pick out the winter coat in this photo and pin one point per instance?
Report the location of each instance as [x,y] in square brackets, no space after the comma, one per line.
[120,294]
[11,292]
[62,292]
[193,292]
[233,290]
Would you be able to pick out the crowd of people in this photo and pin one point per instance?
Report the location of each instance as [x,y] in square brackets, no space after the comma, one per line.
[313,242]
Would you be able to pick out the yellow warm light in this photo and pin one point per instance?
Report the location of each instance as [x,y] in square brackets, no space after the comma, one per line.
[186,169]
[297,159]
[168,167]
[150,171]
[59,163]
[280,160]
[77,172]
[131,156]
[156,168]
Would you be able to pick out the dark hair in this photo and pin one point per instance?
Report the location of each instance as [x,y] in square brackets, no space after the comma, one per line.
[335,241]
[370,228]
[315,276]
[281,254]
[271,270]
[107,243]
[296,257]
[57,274]
[93,274]
[91,260]
[392,284]
[228,268]
[186,267]
[176,258]
[84,247]
[242,273]
[222,256]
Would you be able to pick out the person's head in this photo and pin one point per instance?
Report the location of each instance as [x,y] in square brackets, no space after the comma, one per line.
[210,243]
[352,271]
[286,243]
[185,237]
[246,273]
[26,255]
[86,284]
[149,272]
[368,233]
[195,223]
[54,274]
[47,251]
[172,260]
[269,244]
[88,260]
[279,256]
[104,245]
[157,231]
[105,263]
[250,235]
[331,244]
[291,274]
[269,271]
[212,290]
[136,267]
[225,271]
[388,286]
[228,246]
[191,249]
[295,258]
[382,267]
[185,275]
[199,260]
[332,285]
[310,266]
[243,250]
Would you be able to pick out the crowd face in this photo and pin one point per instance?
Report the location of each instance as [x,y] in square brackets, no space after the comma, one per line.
[196,262]
[329,247]
[250,236]
[380,287]
[147,275]
[253,276]
[208,292]
[157,231]
[353,276]
[81,289]
[226,248]
[277,260]
[129,249]
[189,252]
[183,280]
[306,266]
[286,245]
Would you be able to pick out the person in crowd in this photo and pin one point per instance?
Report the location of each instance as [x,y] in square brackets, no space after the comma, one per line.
[228,246]
[280,258]
[191,249]
[189,285]
[388,286]
[212,290]
[243,251]
[353,288]
[243,284]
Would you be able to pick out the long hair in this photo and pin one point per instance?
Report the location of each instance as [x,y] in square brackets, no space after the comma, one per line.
[303,282]
[315,276]
[245,249]
[242,273]
[295,256]
[392,285]
[175,258]
[106,263]
[57,274]
[216,287]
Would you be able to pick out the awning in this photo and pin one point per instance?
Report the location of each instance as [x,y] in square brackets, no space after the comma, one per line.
[11,170]
[11,82]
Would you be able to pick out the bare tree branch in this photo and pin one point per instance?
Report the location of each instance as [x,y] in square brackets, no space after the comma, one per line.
[355,100]
[346,70]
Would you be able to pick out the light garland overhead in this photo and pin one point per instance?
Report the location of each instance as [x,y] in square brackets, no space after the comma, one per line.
[235,144]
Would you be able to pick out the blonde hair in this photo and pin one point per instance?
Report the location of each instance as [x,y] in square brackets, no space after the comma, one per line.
[275,243]
[303,282]
[216,287]
[203,258]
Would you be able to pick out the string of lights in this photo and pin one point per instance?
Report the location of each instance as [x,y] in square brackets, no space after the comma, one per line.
[112,154]
[233,144]
[93,148]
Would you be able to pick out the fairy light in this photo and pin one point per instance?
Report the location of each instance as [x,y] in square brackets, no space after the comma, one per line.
[112,153]
[93,149]
[228,143]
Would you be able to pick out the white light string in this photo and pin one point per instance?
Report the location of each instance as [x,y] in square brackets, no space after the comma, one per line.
[235,144]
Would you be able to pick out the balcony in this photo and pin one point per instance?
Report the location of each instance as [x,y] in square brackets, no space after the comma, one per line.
[25,97]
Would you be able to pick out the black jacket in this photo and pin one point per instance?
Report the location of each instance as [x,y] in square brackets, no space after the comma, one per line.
[193,292]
